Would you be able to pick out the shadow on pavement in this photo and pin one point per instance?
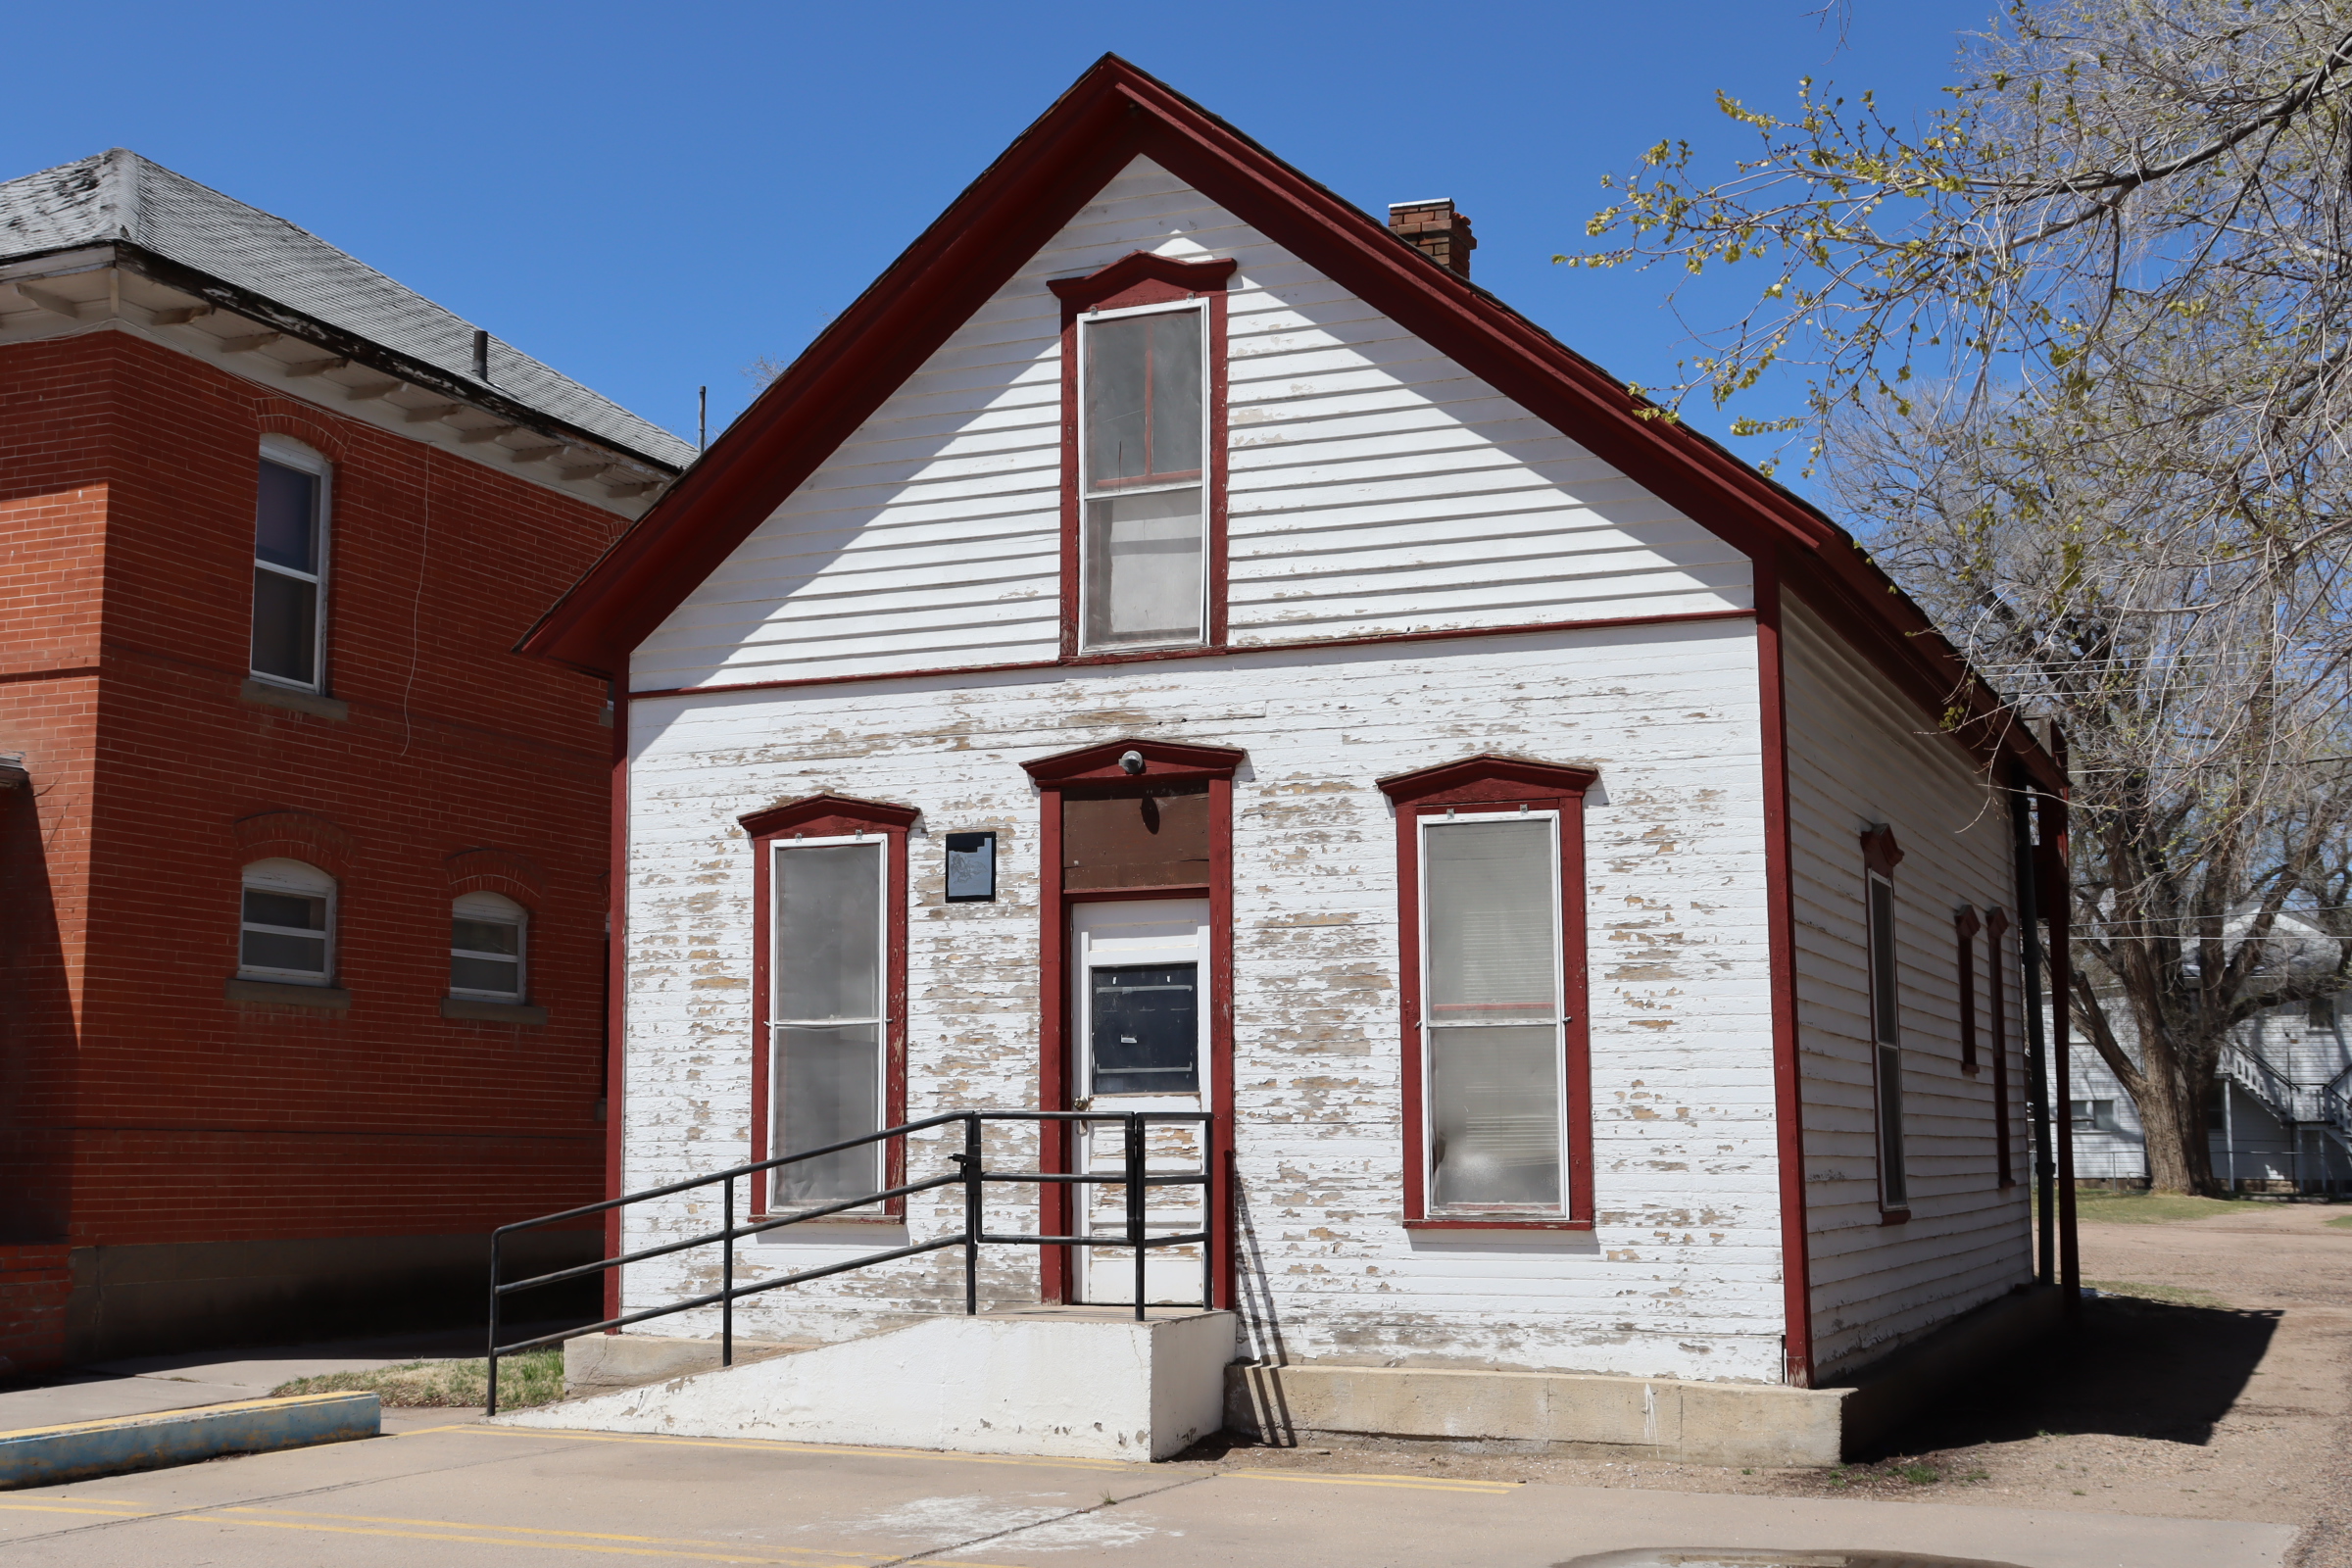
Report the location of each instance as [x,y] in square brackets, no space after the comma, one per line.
[2131,1368]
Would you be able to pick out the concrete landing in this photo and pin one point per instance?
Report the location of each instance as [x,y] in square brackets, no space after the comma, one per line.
[1050,1383]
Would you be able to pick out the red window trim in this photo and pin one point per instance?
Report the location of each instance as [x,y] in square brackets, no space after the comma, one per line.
[1881,854]
[829,817]
[1142,278]
[1487,781]
[1997,925]
[1163,763]
[1964,936]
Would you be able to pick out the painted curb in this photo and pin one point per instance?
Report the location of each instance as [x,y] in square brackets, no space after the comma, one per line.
[38,1456]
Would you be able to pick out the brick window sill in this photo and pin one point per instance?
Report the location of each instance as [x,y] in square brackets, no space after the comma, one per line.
[493,1012]
[333,998]
[262,694]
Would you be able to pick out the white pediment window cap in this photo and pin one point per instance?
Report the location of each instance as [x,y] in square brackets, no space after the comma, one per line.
[282,875]
[293,454]
[486,906]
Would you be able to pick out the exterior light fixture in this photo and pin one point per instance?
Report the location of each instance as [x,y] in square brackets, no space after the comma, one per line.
[1131,763]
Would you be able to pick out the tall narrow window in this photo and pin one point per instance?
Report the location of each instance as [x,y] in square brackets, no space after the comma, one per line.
[287,926]
[486,948]
[1964,935]
[827,1016]
[1491,1016]
[1879,857]
[1142,431]
[1996,951]
[289,566]
[1498,1098]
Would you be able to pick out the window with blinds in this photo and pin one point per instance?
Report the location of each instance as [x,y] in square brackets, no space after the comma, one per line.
[1491,1016]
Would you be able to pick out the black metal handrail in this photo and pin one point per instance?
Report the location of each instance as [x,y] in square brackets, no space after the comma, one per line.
[972,1173]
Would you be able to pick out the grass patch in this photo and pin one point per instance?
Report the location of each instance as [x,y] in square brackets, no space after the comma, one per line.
[535,1377]
[2176,1294]
[2343,1224]
[2150,1209]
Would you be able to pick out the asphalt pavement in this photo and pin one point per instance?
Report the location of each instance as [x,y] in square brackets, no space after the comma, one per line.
[462,1493]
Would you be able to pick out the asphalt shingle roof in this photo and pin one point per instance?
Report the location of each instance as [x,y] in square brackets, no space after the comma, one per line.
[120,196]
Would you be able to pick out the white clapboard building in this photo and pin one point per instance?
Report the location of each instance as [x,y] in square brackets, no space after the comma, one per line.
[1177,645]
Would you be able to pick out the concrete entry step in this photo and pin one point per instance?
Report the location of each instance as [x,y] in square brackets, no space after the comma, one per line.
[1064,1382]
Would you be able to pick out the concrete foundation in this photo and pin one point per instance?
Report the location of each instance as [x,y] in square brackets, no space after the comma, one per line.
[1883,1395]
[599,1363]
[1634,1418]
[1061,1382]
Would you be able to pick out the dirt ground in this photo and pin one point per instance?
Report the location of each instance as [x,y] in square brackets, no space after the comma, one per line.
[2209,1378]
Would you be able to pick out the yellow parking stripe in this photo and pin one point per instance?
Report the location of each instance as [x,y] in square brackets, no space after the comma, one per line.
[59,1508]
[1481,1489]
[775,1446]
[487,1540]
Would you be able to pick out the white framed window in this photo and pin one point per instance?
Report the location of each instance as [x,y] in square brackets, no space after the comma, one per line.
[286,928]
[1493,1026]
[1886,1040]
[1143,434]
[289,566]
[828,1013]
[2092,1116]
[488,947]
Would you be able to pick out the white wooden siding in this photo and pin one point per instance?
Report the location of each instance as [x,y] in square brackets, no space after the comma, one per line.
[1375,487]
[1862,754]
[1681,1278]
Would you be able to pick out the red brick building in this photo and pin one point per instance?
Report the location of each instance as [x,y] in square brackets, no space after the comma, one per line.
[302,925]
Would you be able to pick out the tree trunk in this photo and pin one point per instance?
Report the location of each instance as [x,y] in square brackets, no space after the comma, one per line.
[2175,1085]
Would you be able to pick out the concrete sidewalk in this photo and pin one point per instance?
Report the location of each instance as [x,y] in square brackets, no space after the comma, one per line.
[466,1493]
[143,1384]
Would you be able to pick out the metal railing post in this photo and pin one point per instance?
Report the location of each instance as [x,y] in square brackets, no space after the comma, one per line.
[490,1404]
[727,1275]
[971,1215]
[1134,1202]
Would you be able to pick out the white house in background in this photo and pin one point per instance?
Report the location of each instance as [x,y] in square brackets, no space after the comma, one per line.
[2280,1116]
[1175,643]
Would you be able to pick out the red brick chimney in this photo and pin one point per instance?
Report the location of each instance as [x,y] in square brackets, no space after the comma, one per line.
[1436,230]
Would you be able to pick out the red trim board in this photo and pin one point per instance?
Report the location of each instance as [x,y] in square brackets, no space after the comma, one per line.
[1780,926]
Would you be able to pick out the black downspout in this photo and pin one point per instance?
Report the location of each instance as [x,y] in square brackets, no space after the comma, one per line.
[2038,1074]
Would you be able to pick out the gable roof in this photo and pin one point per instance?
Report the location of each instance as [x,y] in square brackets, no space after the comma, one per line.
[1114,114]
[119,197]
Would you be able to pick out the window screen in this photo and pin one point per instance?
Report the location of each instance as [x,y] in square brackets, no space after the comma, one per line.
[286,926]
[1142,533]
[1493,1024]
[1886,1026]
[485,947]
[825,1076]
[287,574]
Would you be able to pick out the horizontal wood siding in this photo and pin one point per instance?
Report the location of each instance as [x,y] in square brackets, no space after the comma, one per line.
[1682,1277]
[1861,754]
[1375,488]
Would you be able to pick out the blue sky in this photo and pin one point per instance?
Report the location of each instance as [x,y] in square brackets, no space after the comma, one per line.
[651,197]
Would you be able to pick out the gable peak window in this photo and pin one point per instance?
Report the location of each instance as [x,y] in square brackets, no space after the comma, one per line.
[286,930]
[289,565]
[1142,429]
[1143,372]
[486,947]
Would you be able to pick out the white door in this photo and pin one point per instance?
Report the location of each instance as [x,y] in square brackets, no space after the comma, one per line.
[1140,1005]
